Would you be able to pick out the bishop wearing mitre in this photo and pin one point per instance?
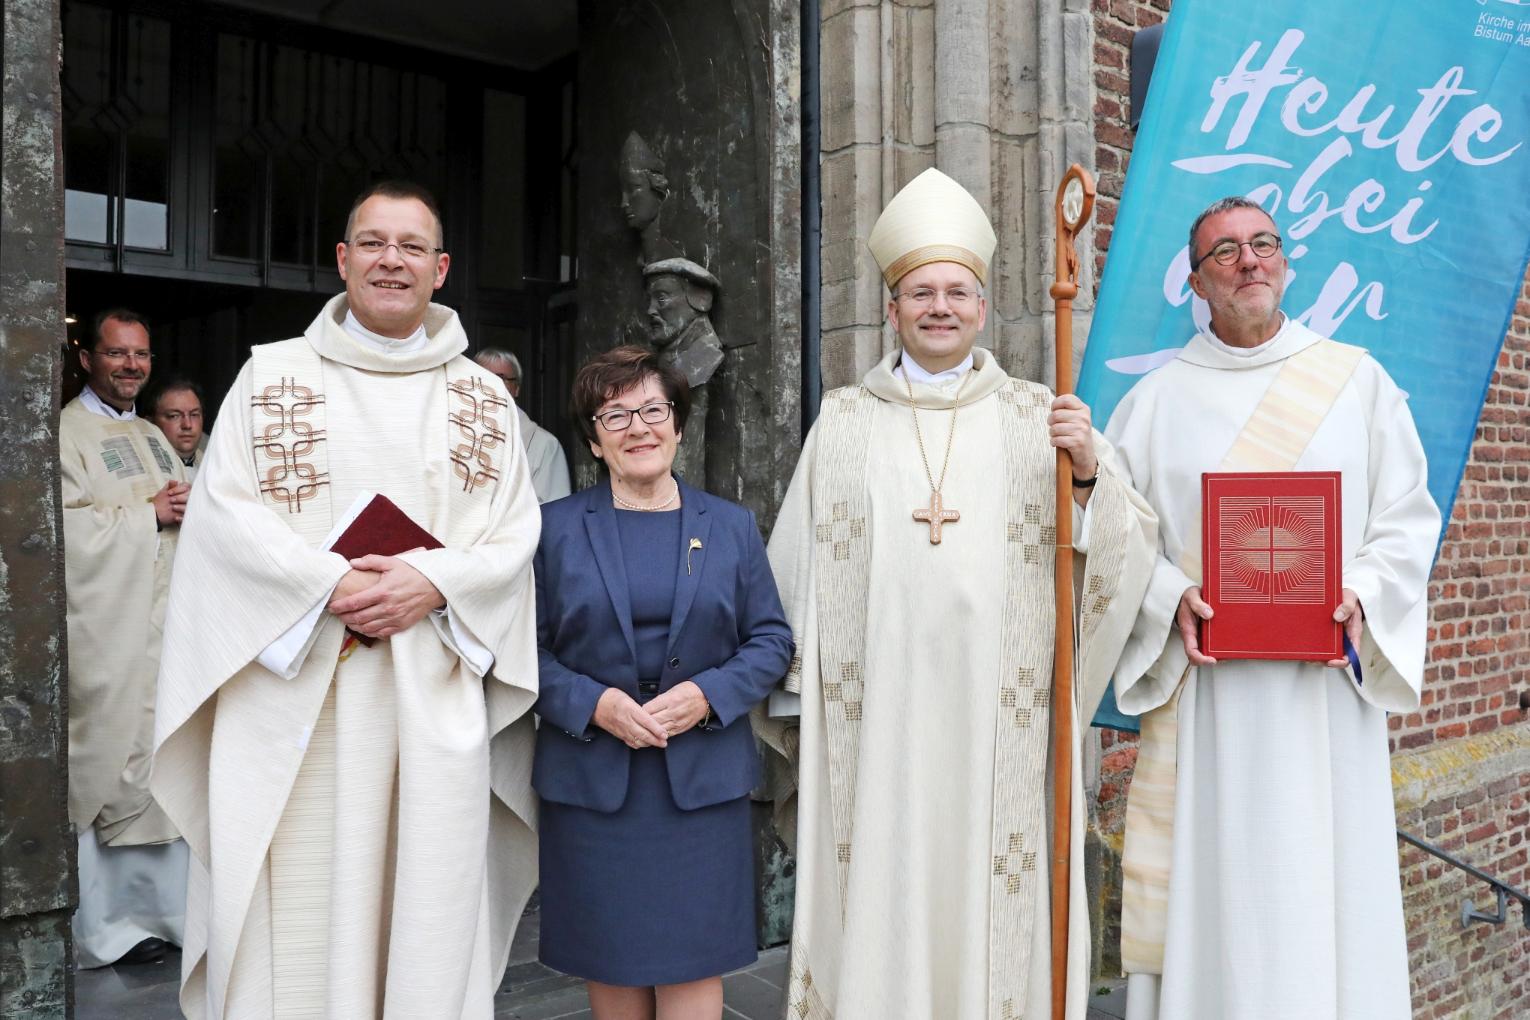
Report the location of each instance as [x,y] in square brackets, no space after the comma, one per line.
[915,555]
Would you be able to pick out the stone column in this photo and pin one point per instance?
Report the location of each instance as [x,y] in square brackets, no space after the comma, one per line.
[996,93]
[36,847]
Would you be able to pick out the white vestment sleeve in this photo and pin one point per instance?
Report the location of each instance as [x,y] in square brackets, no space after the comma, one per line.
[455,635]
[1390,570]
[1081,520]
[285,655]
[784,704]
[1154,660]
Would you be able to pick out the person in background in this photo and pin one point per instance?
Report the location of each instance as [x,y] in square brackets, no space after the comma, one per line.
[544,454]
[124,496]
[176,407]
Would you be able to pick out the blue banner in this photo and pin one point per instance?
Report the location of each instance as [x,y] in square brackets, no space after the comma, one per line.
[1391,144]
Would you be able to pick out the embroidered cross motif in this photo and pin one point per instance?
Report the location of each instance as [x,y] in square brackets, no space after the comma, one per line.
[1014,863]
[1032,534]
[802,994]
[1026,398]
[286,443]
[936,515]
[478,432]
[1025,698]
[848,690]
[841,530]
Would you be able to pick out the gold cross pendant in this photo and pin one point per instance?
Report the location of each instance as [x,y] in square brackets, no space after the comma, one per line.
[936,516]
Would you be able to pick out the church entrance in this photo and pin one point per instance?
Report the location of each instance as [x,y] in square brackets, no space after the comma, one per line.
[211,155]
[590,157]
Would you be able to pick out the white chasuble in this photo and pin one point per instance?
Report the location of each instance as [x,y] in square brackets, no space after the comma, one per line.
[362,833]
[923,819]
[1282,890]
[117,568]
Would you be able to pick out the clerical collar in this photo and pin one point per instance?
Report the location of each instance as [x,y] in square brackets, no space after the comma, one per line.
[382,344]
[1247,352]
[95,405]
[914,372]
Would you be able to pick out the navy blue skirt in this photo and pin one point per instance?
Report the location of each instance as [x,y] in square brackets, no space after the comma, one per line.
[649,894]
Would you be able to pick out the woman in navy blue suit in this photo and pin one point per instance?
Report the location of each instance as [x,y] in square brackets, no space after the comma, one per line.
[659,628]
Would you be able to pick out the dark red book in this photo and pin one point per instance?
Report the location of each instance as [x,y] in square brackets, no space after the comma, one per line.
[376,526]
[1271,544]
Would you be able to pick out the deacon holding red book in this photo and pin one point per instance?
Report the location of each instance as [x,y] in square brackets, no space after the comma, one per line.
[1260,860]
[351,777]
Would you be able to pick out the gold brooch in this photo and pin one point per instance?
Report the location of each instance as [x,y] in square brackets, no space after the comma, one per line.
[695,544]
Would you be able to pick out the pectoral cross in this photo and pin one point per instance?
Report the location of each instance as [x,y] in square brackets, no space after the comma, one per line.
[936,516]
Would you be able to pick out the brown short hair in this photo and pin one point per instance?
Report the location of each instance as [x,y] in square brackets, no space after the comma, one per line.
[174,385]
[1221,206]
[126,316]
[398,189]
[618,370]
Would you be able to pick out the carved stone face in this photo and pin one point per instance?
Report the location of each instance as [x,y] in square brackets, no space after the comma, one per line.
[670,309]
[640,200]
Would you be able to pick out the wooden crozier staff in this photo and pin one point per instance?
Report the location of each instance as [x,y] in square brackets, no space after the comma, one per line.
[1075,201]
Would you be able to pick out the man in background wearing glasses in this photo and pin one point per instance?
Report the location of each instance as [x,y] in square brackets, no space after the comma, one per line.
[1260,861]
[328,728]
[124,495]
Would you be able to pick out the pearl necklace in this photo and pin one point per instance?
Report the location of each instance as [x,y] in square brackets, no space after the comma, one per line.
[646,509]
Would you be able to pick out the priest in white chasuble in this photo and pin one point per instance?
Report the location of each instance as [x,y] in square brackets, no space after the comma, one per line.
[1260,864]
[359,811]
[124,493]
[915,554]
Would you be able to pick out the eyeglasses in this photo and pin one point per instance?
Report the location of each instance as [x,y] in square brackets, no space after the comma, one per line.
[408,249]
[1225,253]
[956,297]
[619,418]
[118,354]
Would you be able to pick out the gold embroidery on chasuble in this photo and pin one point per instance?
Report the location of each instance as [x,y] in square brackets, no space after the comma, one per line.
[1024,690]
[287,421]
[1022,687]
[802,999]
[476,428]
[842,562]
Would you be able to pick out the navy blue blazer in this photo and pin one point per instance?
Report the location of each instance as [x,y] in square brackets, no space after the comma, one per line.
[727,632]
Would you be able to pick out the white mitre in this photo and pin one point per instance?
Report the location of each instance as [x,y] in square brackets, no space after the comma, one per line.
[933,219]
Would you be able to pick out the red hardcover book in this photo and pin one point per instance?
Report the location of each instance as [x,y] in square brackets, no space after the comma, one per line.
[1270,550]
[376,526]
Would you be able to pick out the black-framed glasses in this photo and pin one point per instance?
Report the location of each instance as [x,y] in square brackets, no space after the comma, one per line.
[1226,252]
[619,418]
[408,249]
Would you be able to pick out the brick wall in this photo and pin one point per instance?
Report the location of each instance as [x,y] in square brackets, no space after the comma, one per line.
[1461,764]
